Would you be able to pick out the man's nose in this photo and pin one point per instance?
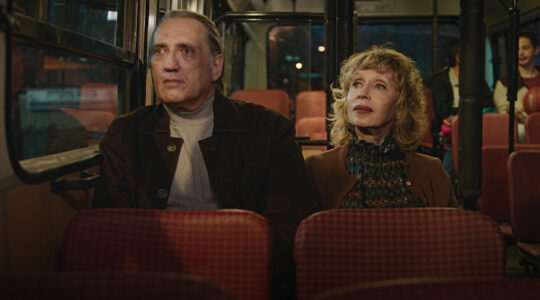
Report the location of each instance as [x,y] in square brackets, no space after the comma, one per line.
[171,62]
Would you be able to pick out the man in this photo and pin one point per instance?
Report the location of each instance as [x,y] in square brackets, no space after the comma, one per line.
[445,93]
[200,150]
[529,76]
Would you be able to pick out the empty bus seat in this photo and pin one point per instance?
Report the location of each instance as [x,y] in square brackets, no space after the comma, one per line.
[109,285]
[314,128]
[310,104]
[340,247]
[494,200]
[229,247]
[439,289]
[532,128]
[524,186]
[277,100]
[494,133]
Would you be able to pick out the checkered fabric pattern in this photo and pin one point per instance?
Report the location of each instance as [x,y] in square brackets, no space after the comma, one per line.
[64,286]
[229,247]
[340,247]
[524,186]
[447,289]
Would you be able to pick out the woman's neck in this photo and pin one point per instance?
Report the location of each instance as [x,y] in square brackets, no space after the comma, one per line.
[371,136]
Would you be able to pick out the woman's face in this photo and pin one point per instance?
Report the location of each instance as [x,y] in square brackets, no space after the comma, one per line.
[371,102]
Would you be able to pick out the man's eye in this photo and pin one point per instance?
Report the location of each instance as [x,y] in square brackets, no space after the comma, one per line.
[158,51]
[187,50]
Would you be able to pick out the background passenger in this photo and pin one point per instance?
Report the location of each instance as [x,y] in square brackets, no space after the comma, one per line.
[529,76]
[198,149]
[445,93]
[378,122]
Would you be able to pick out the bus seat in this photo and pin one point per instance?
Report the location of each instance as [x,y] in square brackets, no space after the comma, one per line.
[108,285]
[229,247]
[524,186]
[532,128]
[340,247]
[277,100]
[531,101]
[439,289]
[494,133]
[310,104]
[312,127]
[494,200]
[427,141]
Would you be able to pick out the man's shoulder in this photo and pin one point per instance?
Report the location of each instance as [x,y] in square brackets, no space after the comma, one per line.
[441,76]
[254,113]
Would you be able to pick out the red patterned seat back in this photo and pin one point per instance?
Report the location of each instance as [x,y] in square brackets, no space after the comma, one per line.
[440,289]
[229,247]
[116,285]
[340,247]
[524,186]
[532,128]
[277,100]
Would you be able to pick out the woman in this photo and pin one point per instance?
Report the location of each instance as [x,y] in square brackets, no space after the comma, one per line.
[378,122]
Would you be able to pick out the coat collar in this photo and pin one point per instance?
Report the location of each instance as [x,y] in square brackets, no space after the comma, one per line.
[226,118]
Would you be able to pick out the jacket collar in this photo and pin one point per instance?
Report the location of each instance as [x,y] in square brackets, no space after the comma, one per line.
[226,118]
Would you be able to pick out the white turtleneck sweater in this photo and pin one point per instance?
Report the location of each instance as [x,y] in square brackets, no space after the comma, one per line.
[190,187]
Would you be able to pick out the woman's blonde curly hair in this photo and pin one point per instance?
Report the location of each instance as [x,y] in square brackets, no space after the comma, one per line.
[410,127]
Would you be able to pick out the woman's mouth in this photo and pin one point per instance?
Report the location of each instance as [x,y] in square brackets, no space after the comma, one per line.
[362,109]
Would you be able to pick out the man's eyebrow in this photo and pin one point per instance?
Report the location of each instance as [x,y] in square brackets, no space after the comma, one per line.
[159,45]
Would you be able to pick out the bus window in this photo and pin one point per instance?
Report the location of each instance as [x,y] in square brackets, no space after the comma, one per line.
[71,66]
[97,19]
[413,40]
[295,58]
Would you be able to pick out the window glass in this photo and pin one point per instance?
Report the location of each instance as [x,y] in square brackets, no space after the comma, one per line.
[99,19]
[296,58]
[413,40]
[61,101]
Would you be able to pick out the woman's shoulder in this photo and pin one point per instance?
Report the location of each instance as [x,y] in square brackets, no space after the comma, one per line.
[423,161]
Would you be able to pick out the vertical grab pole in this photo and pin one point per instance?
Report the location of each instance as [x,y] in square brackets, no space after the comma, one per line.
[511,96]
[471,77]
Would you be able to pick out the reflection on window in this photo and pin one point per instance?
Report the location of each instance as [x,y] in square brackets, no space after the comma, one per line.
[413,40]
[60,102]
[98,19]
[295,58]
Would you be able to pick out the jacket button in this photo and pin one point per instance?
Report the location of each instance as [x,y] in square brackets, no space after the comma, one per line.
[408,183]
[171,148]
[162,194]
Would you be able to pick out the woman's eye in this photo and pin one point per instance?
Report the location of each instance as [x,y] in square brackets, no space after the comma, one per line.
[357,84]
[381,86]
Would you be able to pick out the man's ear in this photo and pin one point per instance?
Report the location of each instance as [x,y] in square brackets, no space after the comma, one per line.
[217,66]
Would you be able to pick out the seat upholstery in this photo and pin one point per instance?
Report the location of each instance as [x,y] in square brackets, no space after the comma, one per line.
[524,186]
[116,285]
[494,201]
[494,133]
[229,247]
[440,289]
[310,104]
[314,128]
[277,100]
[532,128]
[340,247]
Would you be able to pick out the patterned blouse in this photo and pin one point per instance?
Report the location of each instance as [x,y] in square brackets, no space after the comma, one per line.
[381,171]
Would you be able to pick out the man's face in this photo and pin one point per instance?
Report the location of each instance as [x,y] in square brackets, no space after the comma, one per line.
[526,52]
[183,68]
